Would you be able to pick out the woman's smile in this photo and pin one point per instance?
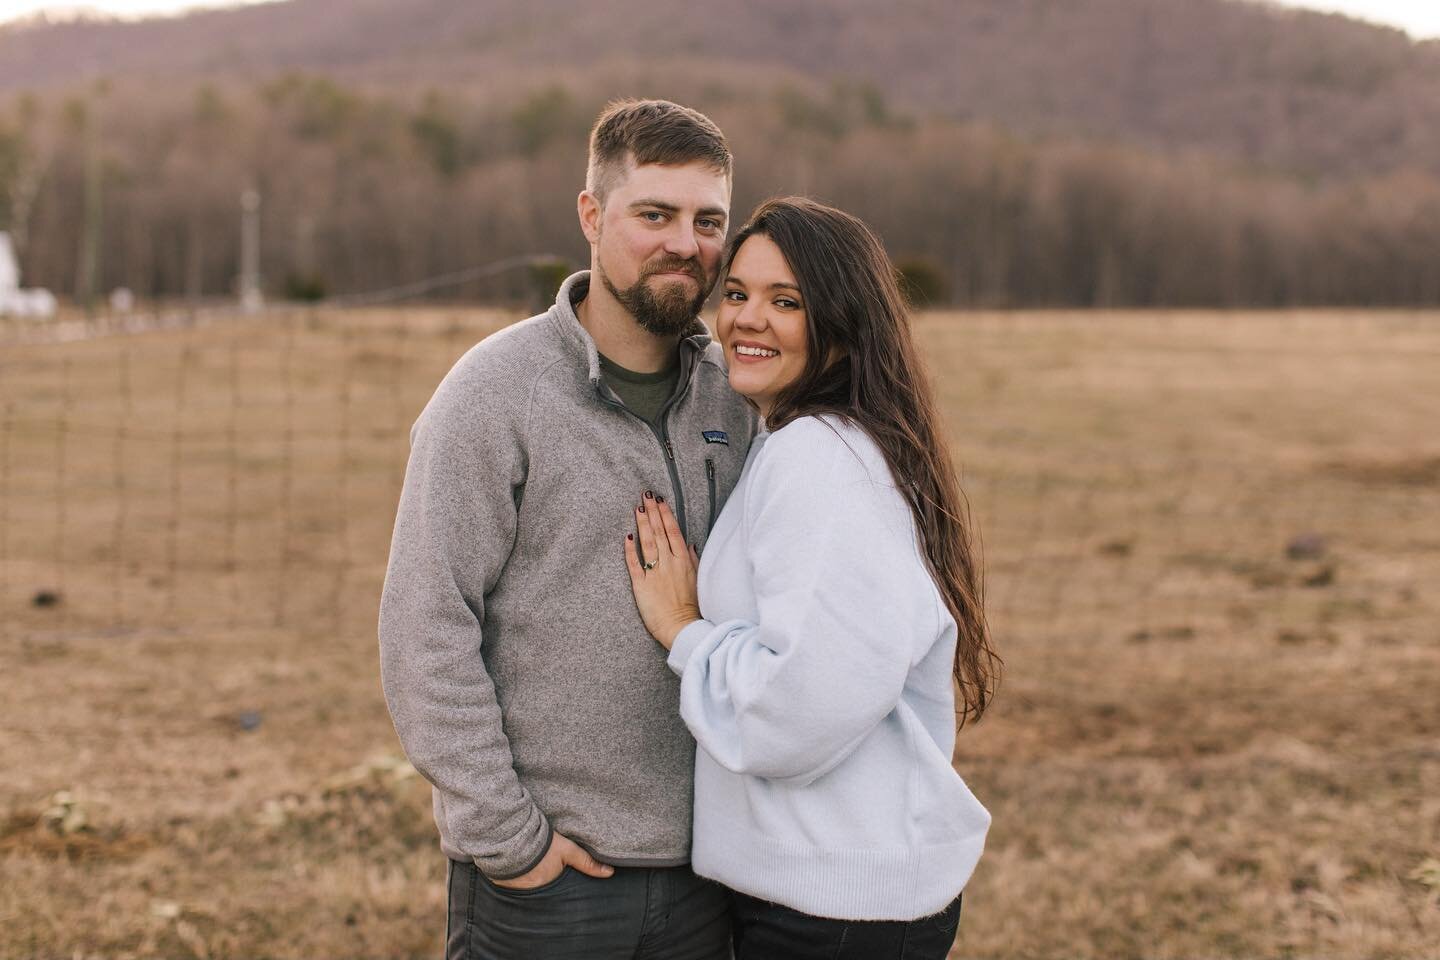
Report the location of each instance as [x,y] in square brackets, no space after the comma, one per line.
[746,352]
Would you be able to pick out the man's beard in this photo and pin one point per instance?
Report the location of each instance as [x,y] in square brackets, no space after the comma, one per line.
[673,309]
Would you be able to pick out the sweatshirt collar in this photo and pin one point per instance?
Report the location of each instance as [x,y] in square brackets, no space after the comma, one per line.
[567,324]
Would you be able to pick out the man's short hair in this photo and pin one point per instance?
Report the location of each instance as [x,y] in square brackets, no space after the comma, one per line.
[651,131]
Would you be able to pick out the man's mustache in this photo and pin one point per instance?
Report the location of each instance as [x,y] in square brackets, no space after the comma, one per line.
[691,267]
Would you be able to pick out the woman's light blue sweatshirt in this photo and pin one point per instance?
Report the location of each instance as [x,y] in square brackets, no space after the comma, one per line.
[819,689]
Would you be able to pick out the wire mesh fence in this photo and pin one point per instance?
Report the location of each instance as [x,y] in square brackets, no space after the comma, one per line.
[1171,476]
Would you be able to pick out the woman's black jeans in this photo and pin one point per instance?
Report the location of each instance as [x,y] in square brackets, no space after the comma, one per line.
[768,931]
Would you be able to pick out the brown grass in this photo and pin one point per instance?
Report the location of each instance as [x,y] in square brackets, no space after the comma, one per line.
[1202,748]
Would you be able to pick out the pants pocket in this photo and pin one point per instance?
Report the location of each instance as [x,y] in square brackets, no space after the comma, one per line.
[544,888]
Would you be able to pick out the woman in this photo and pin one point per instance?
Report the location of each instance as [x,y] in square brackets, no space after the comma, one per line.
[838,606]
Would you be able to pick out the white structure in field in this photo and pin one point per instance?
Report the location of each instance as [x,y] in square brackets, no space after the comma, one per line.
[15,302]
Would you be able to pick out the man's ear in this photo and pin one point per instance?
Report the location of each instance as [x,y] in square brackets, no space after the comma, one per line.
[589,210]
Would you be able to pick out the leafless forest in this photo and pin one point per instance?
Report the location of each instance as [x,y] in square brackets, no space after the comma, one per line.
[1104,153]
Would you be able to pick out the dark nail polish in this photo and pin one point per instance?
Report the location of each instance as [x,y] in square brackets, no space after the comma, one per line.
[642,508]
[649,495]
[659,499]
[629,536]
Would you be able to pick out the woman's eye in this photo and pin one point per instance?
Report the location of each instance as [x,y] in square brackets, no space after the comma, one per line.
[734,296]
[787,303]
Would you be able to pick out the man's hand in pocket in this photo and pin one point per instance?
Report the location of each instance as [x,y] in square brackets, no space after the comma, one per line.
[563,852]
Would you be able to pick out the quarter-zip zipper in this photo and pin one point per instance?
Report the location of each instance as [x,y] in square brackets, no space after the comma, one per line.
[663,436]
[710,482]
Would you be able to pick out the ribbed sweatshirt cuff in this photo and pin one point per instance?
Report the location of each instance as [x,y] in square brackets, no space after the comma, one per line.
[685,643]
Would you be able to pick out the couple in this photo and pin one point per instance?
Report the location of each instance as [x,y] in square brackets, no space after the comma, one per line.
[815,663]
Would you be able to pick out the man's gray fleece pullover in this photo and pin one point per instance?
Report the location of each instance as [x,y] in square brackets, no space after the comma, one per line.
[520,678]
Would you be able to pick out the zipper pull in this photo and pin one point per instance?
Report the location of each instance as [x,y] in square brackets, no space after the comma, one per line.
[709,469]
[669,450]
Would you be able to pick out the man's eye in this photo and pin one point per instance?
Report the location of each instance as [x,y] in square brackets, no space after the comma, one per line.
[708,225]
[654,216]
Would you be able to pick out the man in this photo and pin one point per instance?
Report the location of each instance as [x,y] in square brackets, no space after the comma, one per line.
[520,678]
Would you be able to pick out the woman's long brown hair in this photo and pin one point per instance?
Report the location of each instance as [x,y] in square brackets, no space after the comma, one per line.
[856,314]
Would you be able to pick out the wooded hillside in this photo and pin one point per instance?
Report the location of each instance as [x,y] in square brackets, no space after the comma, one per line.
[1013,151]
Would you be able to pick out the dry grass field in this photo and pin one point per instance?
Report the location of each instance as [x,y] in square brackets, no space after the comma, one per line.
[1213,544]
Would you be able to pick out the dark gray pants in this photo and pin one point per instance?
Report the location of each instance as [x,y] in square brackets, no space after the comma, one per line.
[662,913]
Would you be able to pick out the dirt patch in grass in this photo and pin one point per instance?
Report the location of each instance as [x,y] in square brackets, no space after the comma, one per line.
[1405,470]
[28,835]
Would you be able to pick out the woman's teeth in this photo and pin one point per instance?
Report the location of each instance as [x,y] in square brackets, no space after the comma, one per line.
[756,352]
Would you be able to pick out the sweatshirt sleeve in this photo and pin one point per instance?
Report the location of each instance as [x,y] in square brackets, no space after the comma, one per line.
[454,531]
[843,600]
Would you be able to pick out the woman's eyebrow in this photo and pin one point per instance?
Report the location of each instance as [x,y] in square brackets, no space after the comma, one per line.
[777,285]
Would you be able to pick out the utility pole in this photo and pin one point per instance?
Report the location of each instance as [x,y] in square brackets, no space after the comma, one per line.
[252,300]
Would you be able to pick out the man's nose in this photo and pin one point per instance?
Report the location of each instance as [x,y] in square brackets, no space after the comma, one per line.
[680,241]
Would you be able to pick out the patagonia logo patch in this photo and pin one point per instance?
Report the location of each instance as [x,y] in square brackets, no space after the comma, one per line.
[715,436]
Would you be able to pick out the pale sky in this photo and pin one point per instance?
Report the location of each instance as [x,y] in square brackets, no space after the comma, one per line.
[13,9]
[1420,17]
